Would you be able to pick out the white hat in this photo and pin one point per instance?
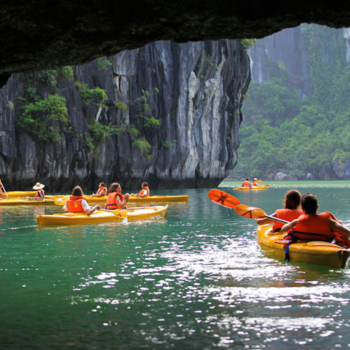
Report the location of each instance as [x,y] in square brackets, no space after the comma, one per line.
[38,186]
[255,179]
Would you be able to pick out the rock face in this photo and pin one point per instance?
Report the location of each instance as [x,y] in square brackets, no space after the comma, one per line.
[194,90]
[285,47]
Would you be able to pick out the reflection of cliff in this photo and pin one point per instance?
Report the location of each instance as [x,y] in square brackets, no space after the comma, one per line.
[194,90]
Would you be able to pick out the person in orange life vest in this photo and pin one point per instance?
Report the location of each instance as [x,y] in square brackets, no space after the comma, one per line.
[254,183]
[77,204]
[246,183]
[1,188]
[102,190]
[145,192]
[40,193]
[313,226]
[292,210]
[115,199]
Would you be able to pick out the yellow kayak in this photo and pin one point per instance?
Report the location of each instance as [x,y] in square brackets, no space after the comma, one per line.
[314,252]
[150,199]
[23,201]
[264,187]
[103,216]
[21,194]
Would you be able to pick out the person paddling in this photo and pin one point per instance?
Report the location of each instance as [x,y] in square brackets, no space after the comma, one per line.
[292,210]
[102,190]
[115,199]
[40,193]
[77,204]
[255,183]
[246,183]
[316,227]
[145,192]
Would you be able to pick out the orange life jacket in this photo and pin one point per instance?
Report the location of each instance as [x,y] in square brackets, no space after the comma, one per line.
[313,227]
[112,202]
[255,183]
[286,214]
[74,204]
[246,184]
[145,188]
[102,190]
[1,191]
[37,194]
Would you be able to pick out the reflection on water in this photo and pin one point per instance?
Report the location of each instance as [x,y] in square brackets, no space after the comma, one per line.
[196,279]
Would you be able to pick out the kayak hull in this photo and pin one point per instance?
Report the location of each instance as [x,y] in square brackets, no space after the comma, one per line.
[22,201]
[251,188]
[103,216]
[151,199]
[315,252]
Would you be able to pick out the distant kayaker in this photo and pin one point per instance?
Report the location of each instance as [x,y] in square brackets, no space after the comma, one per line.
[77,204]
[115,199]
[102,190]
[292,210]
[255,183]
[316,227]
[246,183]
[40,193]
[145,192]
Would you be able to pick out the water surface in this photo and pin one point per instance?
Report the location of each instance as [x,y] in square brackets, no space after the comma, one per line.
[194,280]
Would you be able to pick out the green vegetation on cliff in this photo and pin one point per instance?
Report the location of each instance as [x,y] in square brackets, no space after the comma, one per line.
[283,133]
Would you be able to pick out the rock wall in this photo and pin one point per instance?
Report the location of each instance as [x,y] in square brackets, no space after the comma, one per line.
[284,46]
[198,99]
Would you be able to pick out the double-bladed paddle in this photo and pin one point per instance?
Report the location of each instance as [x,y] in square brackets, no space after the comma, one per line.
[229,201]
[223,198]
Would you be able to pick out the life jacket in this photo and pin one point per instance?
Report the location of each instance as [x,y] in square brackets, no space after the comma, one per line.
[246,184]
[286,214]
[102,190]
[74,204]
[145,188]
[313,227]
[1,191]
[255,183]
[112,202]
[37,194]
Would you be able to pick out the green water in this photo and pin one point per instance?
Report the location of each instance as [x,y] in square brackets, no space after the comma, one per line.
[194,280]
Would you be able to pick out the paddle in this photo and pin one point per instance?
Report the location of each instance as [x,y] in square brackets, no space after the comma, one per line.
[223,198]
[3,188]
[255,213]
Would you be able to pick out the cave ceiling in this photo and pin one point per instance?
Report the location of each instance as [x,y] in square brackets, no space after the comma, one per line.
[37,35]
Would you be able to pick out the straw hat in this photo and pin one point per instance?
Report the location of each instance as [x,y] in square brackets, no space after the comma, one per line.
[38,186]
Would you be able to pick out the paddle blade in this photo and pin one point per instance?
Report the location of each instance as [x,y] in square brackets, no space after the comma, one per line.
[223,198]
[250,212]
[258,181]
[60,201]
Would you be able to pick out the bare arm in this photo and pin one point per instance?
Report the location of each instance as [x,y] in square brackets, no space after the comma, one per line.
[289,226]
[91,210]
[122,204]
[336,227]
[264,221]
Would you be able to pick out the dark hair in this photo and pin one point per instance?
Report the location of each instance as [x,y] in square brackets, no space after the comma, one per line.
[144,184]
[77,191]
[309,203]
[113,187]
[103,184]
[292,199]
[247,179]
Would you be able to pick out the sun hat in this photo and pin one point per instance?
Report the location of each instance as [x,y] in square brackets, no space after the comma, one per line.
[38,186]
[255,179]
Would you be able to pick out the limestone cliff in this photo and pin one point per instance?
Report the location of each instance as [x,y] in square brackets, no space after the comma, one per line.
[194,90]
